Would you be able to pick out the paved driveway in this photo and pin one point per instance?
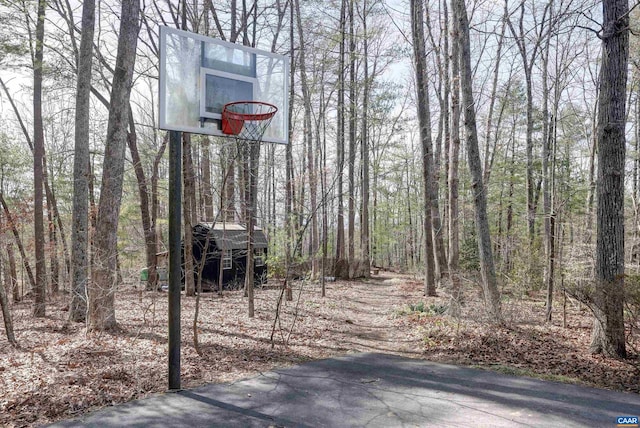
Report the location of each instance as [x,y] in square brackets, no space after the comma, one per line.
[374,390]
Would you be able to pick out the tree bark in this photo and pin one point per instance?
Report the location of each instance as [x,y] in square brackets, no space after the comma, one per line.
[79,264]
[54,265]
[340,107]
[11,274]
[454,162]
[487,269]
[436,219]
[308,139]
[420,58]
[251,194]
[145,213]
[411,240]
[608,335]
[206,180]
[154,189]
[290,185]
[593,153]
[546,181]
[40,290]
[352,136]
[6,315]
[101,312]
[81,171]
[228,193]
[187,208]
[365,147]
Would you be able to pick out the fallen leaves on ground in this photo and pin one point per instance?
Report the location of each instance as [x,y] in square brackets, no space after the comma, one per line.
[60,372]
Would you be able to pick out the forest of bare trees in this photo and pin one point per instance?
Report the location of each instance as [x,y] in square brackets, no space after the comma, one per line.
[478,145]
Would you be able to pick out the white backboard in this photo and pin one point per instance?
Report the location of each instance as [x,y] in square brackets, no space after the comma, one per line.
[199,74]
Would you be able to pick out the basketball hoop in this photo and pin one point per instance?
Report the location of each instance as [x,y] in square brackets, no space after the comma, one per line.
[247,120]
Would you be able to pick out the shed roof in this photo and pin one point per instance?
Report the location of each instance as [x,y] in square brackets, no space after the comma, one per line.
[232,236]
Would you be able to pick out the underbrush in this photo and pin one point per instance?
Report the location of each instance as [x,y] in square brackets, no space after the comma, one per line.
[526,345]
[422,308]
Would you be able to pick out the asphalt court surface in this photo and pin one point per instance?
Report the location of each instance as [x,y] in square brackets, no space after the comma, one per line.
[373,390]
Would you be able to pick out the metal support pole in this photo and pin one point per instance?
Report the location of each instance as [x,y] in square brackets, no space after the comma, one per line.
[175,281]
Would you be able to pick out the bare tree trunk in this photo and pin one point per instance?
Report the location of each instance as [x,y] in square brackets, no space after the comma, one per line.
[487,269]
[492,102]
[365,147]
[436,218]
[230,186]
[48,192]
[290,186]
[549,172]
[454,162]
[593,152]
[6,315]
[436,221]
[101,312]
[52,223]
[206,180]
[93,210]
[352,135]
[546,179]
[325,220]
[608,335]
[251,193]
[340,243]
[244,175]
[420,58]
[145,212]
[53,214]
[528,61]
[411,240]
[308,138]
[16,235]
[636,173]
[40,290]
[51,195]
[554,224]
[154,200]
[551,241]
[446,122]
[11,275]
[54,265]
[437,243]
[512,180]
[187,208]
[636,193]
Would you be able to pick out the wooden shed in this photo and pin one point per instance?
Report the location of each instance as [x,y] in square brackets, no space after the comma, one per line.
[227,247]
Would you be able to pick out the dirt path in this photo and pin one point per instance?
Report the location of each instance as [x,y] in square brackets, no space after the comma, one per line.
[371,311]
